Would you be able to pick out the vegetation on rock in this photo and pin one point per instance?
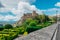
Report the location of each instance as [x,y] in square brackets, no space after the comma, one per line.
[29,25]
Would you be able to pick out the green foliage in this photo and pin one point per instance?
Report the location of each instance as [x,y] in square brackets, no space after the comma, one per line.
[11,33]
[31,29]
[53,19]
[42,18]
[1,28]
[25,33]
[8,26]
[33,23]
[29,25]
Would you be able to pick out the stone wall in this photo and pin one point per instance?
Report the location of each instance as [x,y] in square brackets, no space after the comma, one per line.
[42,34]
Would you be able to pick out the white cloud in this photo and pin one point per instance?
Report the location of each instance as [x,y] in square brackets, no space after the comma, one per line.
[57,4]
[8,18]
[19,7]
[9,4]
[5,9]
[1,17]
[25,7]
[52,11]
[13,3]
[30,1]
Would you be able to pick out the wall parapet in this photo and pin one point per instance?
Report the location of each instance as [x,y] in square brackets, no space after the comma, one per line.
[42,34]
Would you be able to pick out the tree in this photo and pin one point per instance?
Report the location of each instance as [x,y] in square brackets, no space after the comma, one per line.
[28,21]
[42,18]
[47,18]
[33,23]
[8,26]
[1,28]
[53,19]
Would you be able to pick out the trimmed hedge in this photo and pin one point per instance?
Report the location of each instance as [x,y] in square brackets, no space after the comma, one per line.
[10,34]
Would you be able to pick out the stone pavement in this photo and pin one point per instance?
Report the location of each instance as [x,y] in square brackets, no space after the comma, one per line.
[58,33]
[42,34]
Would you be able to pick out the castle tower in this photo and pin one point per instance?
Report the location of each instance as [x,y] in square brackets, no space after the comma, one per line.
[34,14]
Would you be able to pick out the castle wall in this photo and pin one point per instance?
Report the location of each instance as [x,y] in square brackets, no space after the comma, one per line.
[25,16]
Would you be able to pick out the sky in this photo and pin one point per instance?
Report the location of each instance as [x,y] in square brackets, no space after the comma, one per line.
[13,10]
[46,4]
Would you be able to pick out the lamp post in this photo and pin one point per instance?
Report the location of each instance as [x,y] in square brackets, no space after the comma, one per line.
[56,16]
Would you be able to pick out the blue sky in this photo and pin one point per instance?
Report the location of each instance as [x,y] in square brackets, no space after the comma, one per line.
[46,4]
[13,10]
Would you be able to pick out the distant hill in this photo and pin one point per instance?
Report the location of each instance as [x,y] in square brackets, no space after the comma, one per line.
[7,22]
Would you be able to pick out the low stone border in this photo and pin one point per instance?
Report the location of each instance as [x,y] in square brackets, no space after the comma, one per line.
[42,34]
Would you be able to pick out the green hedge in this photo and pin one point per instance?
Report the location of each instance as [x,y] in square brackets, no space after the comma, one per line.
[10,34]
[40,26]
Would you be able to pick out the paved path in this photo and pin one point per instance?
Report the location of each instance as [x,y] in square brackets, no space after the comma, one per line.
[43,34]
[58,33]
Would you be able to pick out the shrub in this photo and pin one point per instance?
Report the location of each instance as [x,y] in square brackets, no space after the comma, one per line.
[25,33]
[1,28]
[33,28]
[8,26]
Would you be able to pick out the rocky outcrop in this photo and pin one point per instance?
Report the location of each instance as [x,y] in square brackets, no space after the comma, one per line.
[24,17]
